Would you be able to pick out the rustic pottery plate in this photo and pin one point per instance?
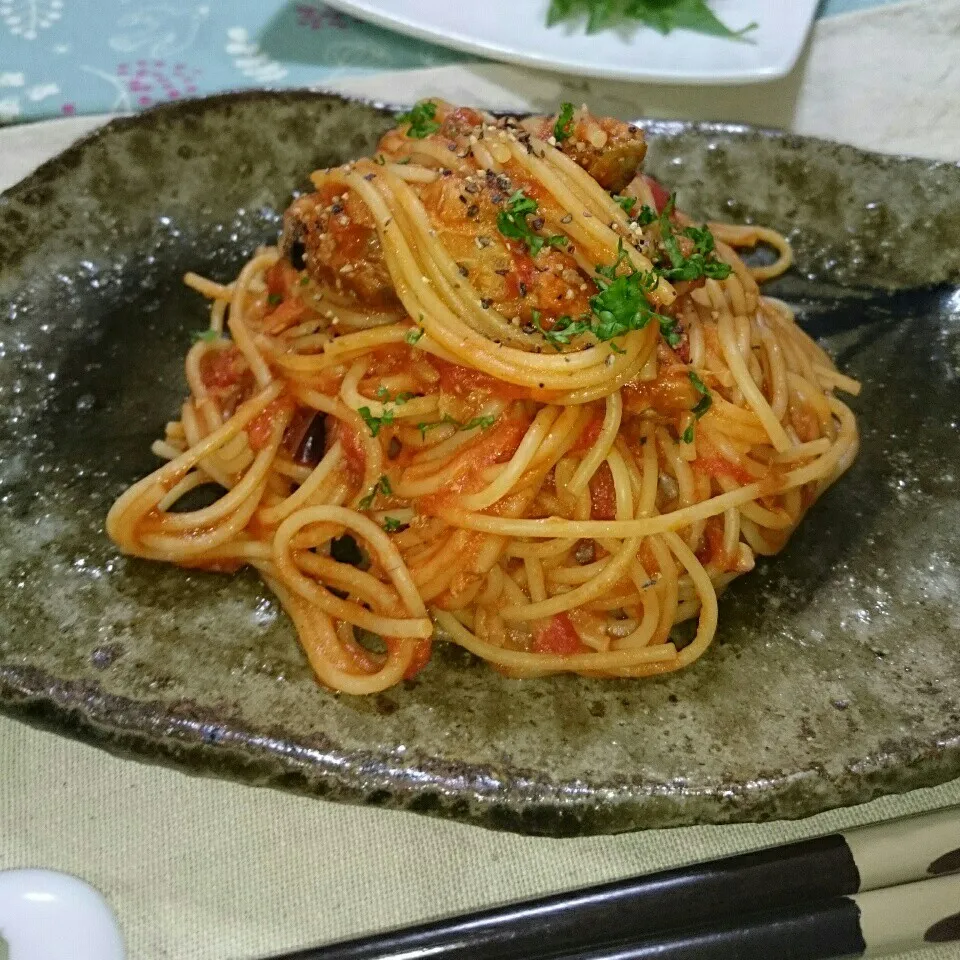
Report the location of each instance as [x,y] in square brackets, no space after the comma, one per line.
[835,676]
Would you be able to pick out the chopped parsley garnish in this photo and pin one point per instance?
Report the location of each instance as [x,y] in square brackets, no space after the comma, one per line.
[512,223]
[207,336]
[375,423]
[381,486]
[420,117]
[616,348]
[383,394]
[392,524]
[564,125]
[646,216]
[661,15]
[701,263]
[621,305]
[626,203]
[564,329]
[413,335]
[701,406]
[304,280]
[482,422]
[274,299]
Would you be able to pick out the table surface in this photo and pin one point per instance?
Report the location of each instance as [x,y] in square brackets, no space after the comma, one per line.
[200,869]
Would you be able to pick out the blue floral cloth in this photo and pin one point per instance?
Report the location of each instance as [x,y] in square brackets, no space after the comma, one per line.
[64,57]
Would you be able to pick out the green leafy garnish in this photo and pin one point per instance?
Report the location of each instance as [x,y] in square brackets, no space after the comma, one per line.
[375,423]
[392,524]
[413,335]
[207,336]
[564,329]
[701,406]
[381,486]
[621,305]
[383,394]
[661,15]
[670,330]
[564,125]
[646,216]
[616,348]
[482,422]
[420,117]
[304,280]
[626,203]
[701,263]
[512,223]
[275,299]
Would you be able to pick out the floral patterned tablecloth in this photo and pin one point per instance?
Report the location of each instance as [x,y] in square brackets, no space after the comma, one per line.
[65,57]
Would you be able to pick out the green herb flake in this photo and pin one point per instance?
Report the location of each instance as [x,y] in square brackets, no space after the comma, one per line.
[421,120]
[413,335]
[701,406]
[392,524]
[660,15]
[616,348]
[381,486]
[701,263]
[512,223]
[207,336]
[626,203]
[564,329]
[375,423]
[304,280]
[482,422]
[646,216]
[563,128]
[621,305]
[275,299]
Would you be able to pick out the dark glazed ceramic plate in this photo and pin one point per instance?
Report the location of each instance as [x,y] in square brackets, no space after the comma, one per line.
[835,676]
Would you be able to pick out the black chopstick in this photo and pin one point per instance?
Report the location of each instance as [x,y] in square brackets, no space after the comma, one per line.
[897,919]
[717,895]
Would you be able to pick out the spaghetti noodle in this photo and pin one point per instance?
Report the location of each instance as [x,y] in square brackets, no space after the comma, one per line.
[494,388]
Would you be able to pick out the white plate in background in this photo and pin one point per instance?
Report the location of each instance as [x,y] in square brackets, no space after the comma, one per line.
[516,31]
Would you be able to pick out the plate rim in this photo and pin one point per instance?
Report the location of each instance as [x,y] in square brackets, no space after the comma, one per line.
[491,51]
[37,698]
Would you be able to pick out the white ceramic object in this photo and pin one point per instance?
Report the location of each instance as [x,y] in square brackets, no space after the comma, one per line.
[516,31]
[46,915]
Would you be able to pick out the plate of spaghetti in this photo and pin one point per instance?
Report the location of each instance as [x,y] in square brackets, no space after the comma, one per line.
[481,474]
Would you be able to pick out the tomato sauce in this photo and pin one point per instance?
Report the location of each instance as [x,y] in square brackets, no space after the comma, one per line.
[603,494]
[558,636]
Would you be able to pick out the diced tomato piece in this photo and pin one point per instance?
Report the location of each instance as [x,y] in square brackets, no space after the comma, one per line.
[558,636]
[280,278]
[716,466]
[286,315]
[712,546]
[353,450]
[261,427]
[222,368]
[603,495]
[421,657]
[661,195]
[588,436]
